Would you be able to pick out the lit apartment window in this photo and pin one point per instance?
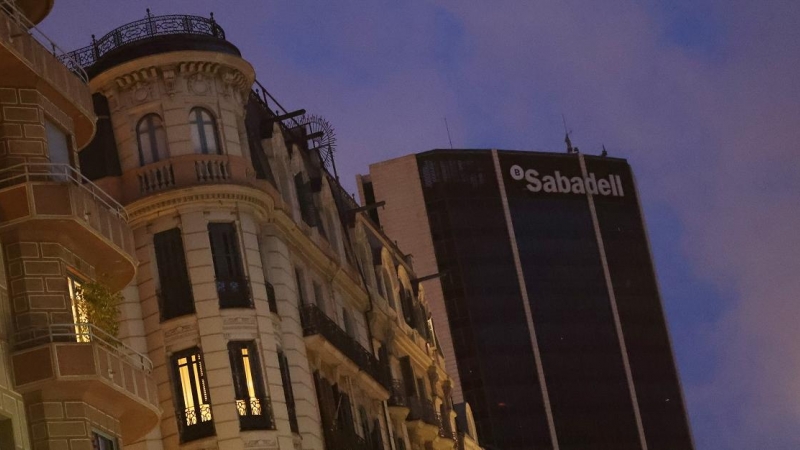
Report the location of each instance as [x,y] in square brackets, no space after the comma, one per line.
[175,294]
[252,402]
[191,395]
[152,139]
[103,442]
[204,132]
[232,286]
[80,310]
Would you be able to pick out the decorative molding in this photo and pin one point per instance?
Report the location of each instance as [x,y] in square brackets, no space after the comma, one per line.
[180,331]
[143,75]
[262,444]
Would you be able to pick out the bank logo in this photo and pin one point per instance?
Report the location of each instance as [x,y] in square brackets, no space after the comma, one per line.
[557,183]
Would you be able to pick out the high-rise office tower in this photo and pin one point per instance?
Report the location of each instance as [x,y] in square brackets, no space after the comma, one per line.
[547,301]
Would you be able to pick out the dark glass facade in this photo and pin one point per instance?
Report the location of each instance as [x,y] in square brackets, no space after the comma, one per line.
[562,243]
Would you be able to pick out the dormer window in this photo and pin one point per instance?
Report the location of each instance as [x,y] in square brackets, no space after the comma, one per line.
[152,139]
[204,132]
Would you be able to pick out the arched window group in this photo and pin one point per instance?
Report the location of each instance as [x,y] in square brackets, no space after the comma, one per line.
[152,137]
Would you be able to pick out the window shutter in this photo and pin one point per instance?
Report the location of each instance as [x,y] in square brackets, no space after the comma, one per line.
[175,298]
[409,380]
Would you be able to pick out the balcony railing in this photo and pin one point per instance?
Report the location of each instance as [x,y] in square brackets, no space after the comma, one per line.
[398,395]
[422,410]
[149,27]
[234,293]
[59,173]
[25,26]
[255,413]
[445,427]
[81,333]
[344,440]
[315,321]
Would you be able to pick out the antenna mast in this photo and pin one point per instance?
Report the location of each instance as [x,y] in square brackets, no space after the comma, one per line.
[566,135]
[448,133]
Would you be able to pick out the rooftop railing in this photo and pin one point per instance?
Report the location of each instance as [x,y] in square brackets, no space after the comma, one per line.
[149,27]
[80,333]
[63,173]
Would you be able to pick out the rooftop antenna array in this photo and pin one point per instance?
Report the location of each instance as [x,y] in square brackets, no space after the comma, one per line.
[449,139]
[322,139]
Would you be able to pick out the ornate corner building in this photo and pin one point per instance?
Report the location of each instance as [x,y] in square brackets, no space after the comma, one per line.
[262,307]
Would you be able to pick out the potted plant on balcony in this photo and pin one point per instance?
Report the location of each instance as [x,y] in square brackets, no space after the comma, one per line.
[102,305]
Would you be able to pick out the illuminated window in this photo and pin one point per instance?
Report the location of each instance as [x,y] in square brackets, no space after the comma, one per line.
[204,132]
[191,395]
[252,403]
[80,310]
[152,139]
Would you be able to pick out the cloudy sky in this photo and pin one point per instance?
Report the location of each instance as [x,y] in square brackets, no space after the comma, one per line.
[702,97]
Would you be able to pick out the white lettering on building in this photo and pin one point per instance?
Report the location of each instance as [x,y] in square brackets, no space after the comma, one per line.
[557,183]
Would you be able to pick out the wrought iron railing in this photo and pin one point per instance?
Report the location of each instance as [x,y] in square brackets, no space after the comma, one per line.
[83,333]
[64,173]
[234,292]
[315,321]
[149,27]
[398,395]
[255,413]
[445,427]
[422,410]
[344,439]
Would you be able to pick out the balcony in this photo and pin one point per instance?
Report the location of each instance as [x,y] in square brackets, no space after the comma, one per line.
[422,421]
[29,56]
[447,437]
[234,293]
[398,401]
[55,203]
[181,172]
[344,440]
[82,362]
[335,346]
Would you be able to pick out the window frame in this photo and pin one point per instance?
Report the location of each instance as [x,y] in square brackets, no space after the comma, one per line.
[198,385]
[253,403]
[197,125]
[79,308]
[171,283]
[233,286]
[151,131]
[97,435]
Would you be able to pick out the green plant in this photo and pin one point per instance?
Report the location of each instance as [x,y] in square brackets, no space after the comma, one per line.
[102,304]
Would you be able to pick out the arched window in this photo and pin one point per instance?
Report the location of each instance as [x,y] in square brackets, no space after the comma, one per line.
[204,132]
[152,139]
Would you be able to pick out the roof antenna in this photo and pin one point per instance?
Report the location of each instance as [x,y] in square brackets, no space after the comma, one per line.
[448,133]
[604,153]
[566,135]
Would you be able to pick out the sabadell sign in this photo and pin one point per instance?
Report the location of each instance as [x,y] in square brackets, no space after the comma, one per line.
[557,183]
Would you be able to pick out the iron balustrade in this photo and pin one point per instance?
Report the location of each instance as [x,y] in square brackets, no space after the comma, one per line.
[315,321]
[422,409]
[398,395]
[59,173]
[344,439]
[255,413]
[82,333]
[234,292]
[445,427]
[149,27]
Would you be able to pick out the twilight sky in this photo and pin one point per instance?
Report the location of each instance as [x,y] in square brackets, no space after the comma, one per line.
[701,96]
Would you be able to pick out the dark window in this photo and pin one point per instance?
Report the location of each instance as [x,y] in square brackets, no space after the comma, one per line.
[271,299]
[252,402]
[288,392]
[348,323]
[204,132]
[232,285]
[409,380]
[152,139]
[301,288]
[192,402]
[305,200]
[103,442]
[175,295]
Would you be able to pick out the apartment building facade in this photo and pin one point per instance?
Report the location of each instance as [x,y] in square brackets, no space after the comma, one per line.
[261,308]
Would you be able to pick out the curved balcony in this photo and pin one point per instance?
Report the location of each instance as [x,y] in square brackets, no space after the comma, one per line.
[335,346]
[398,401]
[81,361]
[55,203]
[422,420]
[181,172]
[149,36]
